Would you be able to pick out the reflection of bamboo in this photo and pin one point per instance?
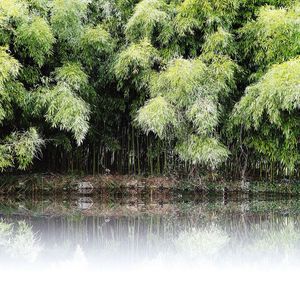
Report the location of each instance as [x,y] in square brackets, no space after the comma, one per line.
[157,225]
[149,232]
[138,233]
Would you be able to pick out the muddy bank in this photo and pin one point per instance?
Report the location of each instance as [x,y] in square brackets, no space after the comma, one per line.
[52,182]
[135,202]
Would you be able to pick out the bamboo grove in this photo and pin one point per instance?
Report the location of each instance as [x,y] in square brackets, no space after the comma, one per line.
[151,86]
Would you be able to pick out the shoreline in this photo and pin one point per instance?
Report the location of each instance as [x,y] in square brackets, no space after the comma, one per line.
[88,183]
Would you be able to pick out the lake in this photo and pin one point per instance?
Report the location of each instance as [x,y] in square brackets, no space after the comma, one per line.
[151,231]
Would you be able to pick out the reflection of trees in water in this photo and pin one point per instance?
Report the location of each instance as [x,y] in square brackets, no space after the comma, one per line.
[120,230]
[153,235]
[19,241]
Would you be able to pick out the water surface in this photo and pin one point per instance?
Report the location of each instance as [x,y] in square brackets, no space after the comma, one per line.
[130,227]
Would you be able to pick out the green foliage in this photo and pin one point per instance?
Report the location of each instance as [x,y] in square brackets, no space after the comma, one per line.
[135,63]
[66,19]
[6,158]
[181,82]
[185,101]
[221,42]
[66,65]
[13,94]
[39,7]
[273,38]
[95,42]
[205,15]
[12,10]
[72,74]
[149,17]
[25,29]
[36,38]
[30,75]
[204,114]
[20,148]
[158,116]
[67,111]
[272,105]
[9,67]
[276,91]
[204,150]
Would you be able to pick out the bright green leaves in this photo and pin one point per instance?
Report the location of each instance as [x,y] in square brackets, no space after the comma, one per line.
[66,19]
[20,148]
[203,150]
[158,116]
[205,15]
[277,91]
[179,83]
[72,74]
[135,63]
[181,55]
[185,98]
[6,159]
[14,94]
[149,17]
[61,103]
[186,81]
[67,111]
[42,91]
[273,38]
[96,41]
[270,108]
[12,10]
[40,7]
[36,39]
[25,146]
[220,42]
[223,73]
[9,67]
[186,95]
[204,114]
[31,34]
[184,108]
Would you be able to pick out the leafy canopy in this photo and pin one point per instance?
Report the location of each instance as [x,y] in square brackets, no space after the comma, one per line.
[205,15]
[274,37]
[270,108]
[39,89]
[184,107]
[134,64]
[36,39]
[149,17]
[20,148]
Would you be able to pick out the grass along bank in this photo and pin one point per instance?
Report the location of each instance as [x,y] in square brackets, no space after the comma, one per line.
[58,182]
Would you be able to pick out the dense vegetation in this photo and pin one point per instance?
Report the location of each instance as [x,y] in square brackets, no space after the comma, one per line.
[150,86]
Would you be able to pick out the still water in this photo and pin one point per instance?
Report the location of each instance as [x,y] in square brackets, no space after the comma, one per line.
[150,239]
